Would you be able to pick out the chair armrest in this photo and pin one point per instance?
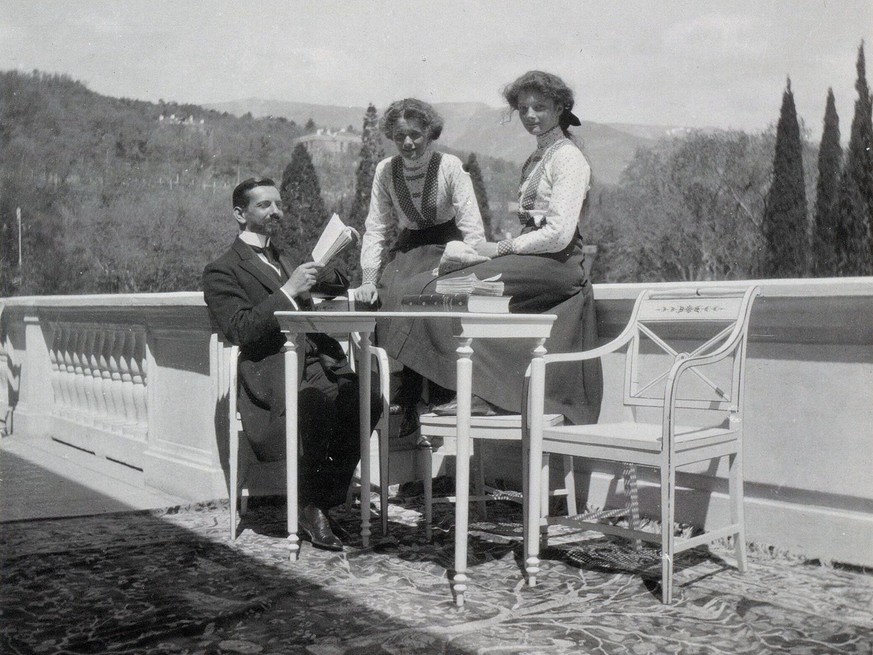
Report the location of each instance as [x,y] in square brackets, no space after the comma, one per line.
[381,362]
[594,353]
[686,363]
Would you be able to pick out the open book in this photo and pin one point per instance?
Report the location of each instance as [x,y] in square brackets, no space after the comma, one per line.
[334,238]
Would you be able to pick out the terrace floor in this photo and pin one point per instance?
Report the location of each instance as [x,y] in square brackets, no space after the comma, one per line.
[93,563]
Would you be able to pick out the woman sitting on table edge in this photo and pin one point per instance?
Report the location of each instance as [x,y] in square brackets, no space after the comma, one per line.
[430,198]
[541,268]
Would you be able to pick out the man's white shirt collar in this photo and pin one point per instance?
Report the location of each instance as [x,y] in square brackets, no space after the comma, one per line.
[254,239]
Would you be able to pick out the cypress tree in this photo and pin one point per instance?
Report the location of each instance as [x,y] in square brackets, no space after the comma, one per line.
[852,232]
[305,213]
[371,153]
[472,167]
[785,216]
[830,156]
[855,204]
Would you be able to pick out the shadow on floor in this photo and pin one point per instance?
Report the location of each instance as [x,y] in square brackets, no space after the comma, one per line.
[170,581]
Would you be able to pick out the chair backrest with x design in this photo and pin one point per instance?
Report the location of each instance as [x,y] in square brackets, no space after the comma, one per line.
[663,323]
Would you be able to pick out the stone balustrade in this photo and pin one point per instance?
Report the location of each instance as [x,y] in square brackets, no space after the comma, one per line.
[143,380]
[99,377]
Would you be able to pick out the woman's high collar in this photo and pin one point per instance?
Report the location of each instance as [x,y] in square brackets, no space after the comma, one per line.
[552,136]
[415,164]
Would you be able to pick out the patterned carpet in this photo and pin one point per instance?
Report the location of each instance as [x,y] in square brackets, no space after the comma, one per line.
[172,582]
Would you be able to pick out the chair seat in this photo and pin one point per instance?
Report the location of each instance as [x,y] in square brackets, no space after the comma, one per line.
[503,426]
[442,432]
[637,436]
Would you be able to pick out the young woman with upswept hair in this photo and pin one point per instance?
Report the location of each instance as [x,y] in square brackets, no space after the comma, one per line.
[429,197]
[542,269]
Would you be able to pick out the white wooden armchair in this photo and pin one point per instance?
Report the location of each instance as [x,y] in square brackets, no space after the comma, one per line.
[660,382]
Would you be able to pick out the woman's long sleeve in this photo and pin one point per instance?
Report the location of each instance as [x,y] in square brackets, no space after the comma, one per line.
[562,189]
[467,215]
[376,224]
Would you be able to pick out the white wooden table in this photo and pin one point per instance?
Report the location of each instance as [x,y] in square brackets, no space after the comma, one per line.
[467,327]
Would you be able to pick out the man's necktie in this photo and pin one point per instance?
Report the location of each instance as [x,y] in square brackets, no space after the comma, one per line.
[268,253]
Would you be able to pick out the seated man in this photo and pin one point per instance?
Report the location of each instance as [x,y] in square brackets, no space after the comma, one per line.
[242,289]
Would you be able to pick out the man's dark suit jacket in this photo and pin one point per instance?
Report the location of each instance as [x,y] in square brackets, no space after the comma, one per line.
[242,292]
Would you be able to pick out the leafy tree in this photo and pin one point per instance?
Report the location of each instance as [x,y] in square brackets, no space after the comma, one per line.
[785,217]
[310,126]
[472,167]
[854,242]
[830,155]
[304,208]
[688,209]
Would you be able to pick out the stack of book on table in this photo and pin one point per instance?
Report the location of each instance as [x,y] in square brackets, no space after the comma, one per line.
[461,294]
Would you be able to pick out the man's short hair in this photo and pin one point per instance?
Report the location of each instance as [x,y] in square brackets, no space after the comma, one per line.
[241,192]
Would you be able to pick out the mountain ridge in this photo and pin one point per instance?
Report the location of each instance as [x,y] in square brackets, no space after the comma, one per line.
[476,127]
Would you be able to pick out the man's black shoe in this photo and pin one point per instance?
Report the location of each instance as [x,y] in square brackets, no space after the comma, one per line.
[315,527]
[409,422]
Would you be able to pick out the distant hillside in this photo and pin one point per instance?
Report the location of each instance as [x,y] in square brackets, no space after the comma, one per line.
[476,127]
[121,195]
[329,116]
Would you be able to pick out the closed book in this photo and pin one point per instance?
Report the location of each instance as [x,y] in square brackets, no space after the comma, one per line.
[456,302]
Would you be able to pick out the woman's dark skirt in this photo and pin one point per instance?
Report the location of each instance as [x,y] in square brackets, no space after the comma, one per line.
[554,283]
[414,252]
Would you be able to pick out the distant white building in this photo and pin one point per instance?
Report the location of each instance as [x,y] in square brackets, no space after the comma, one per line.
[189,122]
[324,144]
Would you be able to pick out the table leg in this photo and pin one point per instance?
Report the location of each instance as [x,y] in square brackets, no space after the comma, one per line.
[364,384]
[462,467]
[533,487]
[291,442]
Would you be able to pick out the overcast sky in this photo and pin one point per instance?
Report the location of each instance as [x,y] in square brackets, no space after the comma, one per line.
[676,62]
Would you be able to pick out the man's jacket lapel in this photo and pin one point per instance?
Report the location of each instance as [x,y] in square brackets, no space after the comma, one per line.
[253,264]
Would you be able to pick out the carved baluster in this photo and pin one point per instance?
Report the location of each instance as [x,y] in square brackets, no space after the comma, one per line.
[126,370]
[85,343]
[116,387]
[140,378]
[55,358]
[65,371]
[70,378]
[100,414]
[91,381]
[62,394]
[105,359]
[81,382]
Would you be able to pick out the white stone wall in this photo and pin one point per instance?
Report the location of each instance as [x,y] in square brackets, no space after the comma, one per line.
[142,379]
